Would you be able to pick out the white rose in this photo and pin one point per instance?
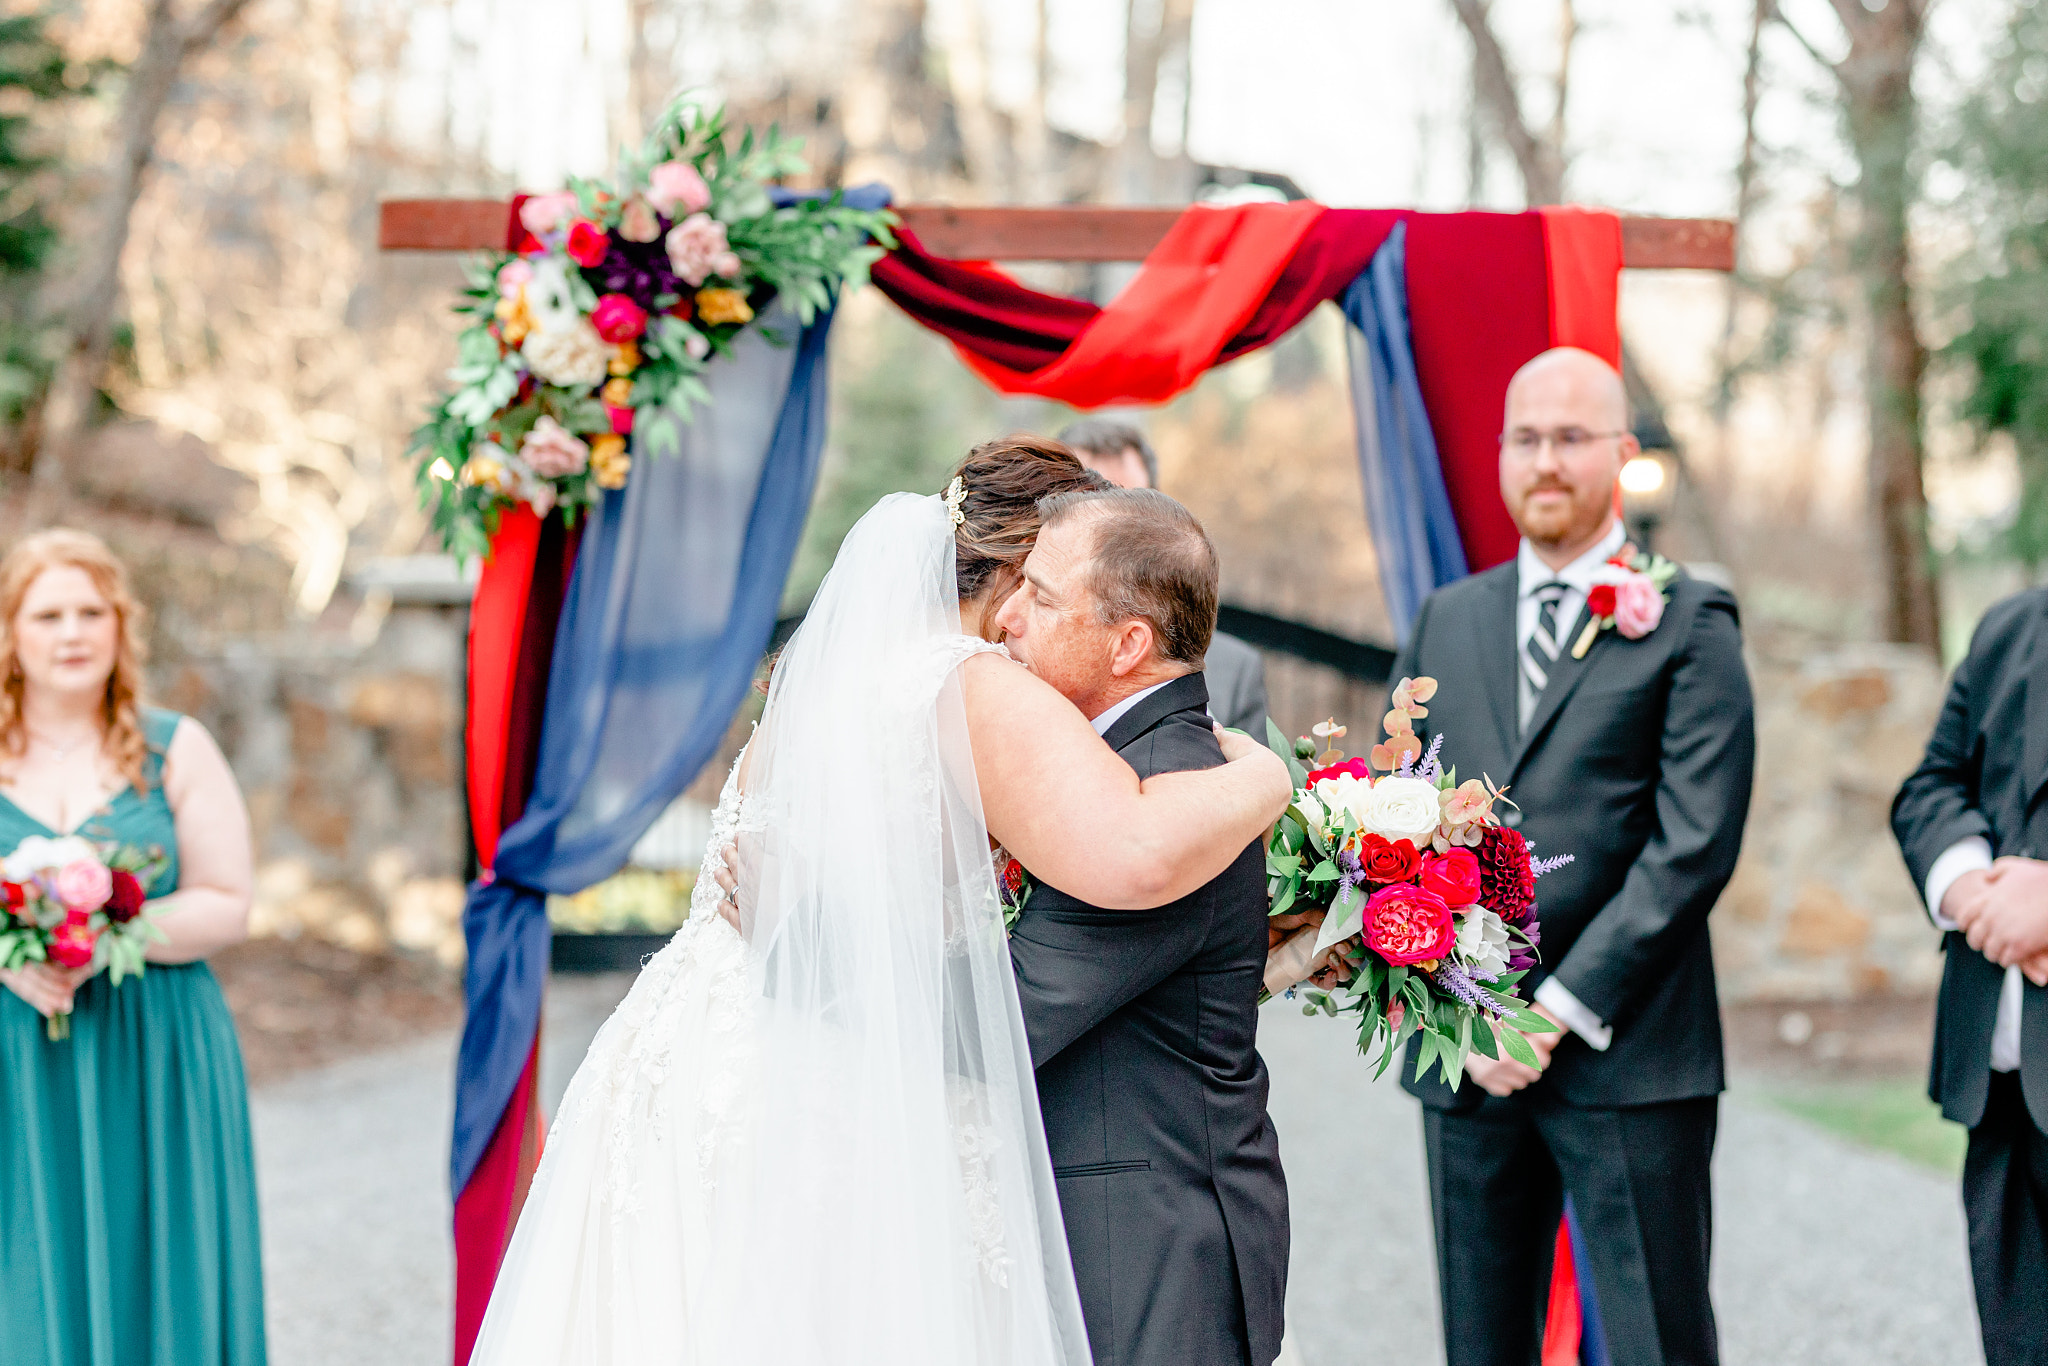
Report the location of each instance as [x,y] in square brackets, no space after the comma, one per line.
[1344,793]
[573,357]
[1311,810]
[1483,943]
[39,852]
[1402,809]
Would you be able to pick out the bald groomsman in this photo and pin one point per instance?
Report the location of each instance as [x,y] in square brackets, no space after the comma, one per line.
[1634,756]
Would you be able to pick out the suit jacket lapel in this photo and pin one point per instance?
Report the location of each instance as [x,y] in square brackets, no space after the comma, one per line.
[1189,692]
[2034,679]
[1498,666]
[1564,677]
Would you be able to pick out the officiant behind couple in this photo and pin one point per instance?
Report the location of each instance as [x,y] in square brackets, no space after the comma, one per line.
[811,1131]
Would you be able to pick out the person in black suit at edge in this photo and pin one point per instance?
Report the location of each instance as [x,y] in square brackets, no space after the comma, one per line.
[1635,757]
[1972,823]
[1143,1024]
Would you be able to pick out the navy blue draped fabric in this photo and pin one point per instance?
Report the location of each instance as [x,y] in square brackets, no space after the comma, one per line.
[1406,502]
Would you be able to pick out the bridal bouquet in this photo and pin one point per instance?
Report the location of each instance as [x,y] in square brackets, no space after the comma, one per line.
[597,325]
[1425,900]
[71,902]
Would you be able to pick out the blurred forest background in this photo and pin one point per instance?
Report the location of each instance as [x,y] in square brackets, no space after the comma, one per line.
[203,356]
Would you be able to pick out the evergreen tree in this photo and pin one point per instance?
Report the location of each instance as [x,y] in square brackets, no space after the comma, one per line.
[32,73]
[2002,148]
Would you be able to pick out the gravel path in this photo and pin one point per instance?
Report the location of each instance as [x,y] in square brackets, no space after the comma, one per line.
[1825,1253]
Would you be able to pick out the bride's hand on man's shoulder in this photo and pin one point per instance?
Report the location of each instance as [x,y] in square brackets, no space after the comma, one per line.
[1238,747]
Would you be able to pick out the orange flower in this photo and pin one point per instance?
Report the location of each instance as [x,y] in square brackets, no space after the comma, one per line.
[715,306]
[609,463]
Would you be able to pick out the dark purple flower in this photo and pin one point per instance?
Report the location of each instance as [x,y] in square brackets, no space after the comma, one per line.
[638,270]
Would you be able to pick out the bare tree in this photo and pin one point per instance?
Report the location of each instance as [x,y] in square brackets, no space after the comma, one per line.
[169,41]
[1880,116]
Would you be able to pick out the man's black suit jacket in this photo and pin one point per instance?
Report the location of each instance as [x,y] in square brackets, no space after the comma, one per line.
[1637,762]
[1985,773]
[1142,1028]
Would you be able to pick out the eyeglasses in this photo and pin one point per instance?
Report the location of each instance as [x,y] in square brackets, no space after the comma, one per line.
[1527,441]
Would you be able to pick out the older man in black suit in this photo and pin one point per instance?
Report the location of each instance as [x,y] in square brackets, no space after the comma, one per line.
[1972,822]
[1143,1024]
[1634,755]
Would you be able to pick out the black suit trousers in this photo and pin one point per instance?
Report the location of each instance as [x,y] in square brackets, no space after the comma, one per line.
[2005,1195]
[1638,1179]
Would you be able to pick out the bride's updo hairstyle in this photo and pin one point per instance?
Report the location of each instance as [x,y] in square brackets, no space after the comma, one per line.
[121,705]
[1001,482]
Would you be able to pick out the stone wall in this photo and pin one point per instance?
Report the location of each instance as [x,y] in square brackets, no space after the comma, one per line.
[348,747]
[1821,906]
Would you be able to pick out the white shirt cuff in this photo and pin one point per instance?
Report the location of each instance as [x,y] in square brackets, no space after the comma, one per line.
[1554,997]
[1968,855]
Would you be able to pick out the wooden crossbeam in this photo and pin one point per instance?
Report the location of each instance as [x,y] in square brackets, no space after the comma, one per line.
[1065,232]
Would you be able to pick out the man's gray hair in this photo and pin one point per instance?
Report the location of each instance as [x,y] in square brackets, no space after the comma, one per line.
[1151,562]
[1107,437]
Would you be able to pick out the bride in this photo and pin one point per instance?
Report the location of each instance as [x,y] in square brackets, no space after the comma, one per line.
[820,1142]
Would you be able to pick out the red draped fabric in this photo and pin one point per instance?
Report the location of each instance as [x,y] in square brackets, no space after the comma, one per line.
[511,648]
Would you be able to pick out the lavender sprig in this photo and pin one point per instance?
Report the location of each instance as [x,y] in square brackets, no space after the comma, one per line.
[1459,983]
[1539,866]
[1430,769]
[1350,872]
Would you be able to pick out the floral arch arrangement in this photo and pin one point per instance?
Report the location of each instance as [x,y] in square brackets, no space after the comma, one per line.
[597,326]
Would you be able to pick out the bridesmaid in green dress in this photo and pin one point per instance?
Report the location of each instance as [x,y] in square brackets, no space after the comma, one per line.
[128,1231]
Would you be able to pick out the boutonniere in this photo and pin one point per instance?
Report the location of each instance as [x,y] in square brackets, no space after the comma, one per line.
[1013,888]
[1628,595]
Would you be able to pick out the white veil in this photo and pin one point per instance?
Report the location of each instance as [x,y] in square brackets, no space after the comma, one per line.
[892,1202]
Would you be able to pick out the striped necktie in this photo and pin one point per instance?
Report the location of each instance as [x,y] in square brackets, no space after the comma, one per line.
[1539,653]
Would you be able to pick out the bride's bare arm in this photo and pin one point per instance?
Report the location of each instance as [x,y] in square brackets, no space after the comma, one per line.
[1077,815]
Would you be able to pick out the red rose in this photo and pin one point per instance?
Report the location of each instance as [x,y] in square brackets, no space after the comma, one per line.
[587,243]
[616,317]
[1357,768]
[126,902]
[1507,885]
[1404,924]
[1453,876]
[71,943]
[621,419]
[1013,877]
[1600,600]
[1388,862]
[16,898]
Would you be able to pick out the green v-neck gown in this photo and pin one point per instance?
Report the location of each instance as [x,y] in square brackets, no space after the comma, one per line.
[128,1229]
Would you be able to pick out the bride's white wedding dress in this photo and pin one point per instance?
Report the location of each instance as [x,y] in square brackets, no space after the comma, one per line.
[819,1143]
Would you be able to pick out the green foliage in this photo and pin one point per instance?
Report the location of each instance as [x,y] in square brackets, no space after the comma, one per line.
[2001,147]
[33,67]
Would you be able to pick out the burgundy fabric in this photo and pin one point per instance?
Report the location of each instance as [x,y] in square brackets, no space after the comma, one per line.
[1478,309]
[982,310]
[553,562]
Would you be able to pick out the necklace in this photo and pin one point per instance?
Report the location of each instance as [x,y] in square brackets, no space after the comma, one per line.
[63,752]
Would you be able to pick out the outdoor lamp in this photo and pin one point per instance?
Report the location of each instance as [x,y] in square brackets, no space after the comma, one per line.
[1648,482]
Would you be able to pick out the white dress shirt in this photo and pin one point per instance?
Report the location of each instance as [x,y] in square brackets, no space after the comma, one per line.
[1115,712]
[1577,577]
[1968,856]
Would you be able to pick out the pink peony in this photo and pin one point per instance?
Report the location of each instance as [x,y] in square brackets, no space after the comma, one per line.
[1638,606]
[675,188]
[697,250]
[618,319]
[543,213]
[84,884]
[1405,924]
[554,451]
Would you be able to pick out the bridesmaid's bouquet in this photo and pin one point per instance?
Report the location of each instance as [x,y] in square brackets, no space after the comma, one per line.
[1424,901]
[71,902]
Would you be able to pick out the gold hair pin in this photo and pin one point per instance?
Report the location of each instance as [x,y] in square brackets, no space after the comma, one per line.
[956,494]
